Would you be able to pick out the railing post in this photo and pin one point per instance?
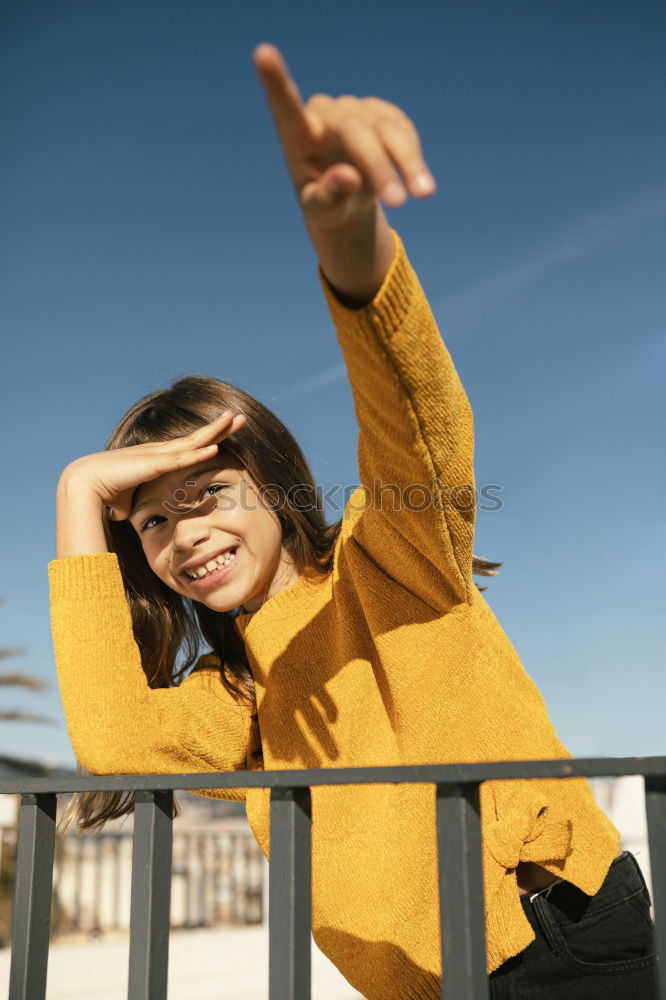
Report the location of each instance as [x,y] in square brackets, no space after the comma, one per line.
[655,809]
[290,895]
[462,914]
[151,895]
[33,886]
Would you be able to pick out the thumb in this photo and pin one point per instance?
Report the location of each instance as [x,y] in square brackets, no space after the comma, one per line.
[332,192]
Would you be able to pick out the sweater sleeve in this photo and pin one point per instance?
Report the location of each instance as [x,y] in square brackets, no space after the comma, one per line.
[117,723]
[414,513]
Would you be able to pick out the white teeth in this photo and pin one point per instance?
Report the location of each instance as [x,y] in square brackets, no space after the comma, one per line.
[211,566]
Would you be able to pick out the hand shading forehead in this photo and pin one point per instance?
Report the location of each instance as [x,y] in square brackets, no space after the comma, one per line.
[152,491]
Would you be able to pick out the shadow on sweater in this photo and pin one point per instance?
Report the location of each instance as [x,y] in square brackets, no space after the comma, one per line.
[381,971]
[332,672]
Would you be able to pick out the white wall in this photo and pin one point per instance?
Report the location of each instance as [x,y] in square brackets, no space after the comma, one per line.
[623,801]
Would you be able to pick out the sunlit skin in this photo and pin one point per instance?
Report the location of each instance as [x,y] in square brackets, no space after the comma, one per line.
[187,523]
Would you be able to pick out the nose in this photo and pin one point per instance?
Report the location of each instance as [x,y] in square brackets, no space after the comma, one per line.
[191,526]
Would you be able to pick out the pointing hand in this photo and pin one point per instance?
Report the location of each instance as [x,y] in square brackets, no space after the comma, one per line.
[342,152]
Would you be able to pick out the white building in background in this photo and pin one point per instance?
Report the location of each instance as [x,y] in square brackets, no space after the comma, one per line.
[8,809]
[623,801]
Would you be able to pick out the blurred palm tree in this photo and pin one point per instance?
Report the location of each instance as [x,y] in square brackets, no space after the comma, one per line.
[21,680]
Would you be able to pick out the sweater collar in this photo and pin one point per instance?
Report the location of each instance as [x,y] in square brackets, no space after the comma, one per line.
[286,603]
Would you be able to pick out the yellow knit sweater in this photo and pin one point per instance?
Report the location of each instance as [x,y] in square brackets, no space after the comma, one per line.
[394,658]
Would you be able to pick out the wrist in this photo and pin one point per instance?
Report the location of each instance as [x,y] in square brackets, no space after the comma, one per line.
[79,521]
[356,255]
[74,482]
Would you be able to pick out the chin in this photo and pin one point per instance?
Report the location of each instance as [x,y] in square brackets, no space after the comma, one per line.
[219,604]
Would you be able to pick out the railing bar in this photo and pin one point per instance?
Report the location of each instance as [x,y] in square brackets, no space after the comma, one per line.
[655,809]
[290,895]
[462,916]
[33,885]
[455,774]
[151,895]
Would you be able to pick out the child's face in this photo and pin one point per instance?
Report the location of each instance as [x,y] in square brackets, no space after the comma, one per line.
[188,523]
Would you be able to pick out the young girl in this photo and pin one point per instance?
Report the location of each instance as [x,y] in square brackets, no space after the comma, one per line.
[361,643]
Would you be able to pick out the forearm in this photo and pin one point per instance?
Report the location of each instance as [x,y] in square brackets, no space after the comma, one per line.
[117,723]
[79,528]
[355,257]
[415,430]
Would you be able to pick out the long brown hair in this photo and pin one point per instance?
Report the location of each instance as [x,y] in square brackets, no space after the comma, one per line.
[165,623]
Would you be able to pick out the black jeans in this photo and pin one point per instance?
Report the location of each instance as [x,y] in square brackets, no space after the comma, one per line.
[586,948]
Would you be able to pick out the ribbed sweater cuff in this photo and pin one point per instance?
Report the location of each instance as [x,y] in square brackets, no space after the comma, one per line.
[86,577]
[388,308]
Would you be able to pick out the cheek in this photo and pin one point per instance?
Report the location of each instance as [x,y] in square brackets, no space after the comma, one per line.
[157,560]
[262,522]
[272,534]
[262,538]
[162,569]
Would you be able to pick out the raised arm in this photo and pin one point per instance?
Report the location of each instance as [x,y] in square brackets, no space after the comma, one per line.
[415,421]
[414,515]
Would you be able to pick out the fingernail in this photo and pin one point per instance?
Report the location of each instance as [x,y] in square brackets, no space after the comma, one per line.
[393,192]
[424,183]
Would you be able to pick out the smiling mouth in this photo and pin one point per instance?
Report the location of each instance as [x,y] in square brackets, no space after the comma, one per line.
[214,567]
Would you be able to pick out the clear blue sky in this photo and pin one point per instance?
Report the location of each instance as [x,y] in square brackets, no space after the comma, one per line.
[150,230]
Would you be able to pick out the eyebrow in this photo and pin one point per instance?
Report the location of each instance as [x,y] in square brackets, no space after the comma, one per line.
[188,479]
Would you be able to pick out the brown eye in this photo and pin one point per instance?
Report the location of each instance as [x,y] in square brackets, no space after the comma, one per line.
[215,487]
[147,522]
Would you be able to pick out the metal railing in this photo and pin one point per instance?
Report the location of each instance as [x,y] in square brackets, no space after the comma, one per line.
[217,879]
[463,942]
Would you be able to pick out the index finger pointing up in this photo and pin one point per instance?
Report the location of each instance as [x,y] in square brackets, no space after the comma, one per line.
[283,95]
